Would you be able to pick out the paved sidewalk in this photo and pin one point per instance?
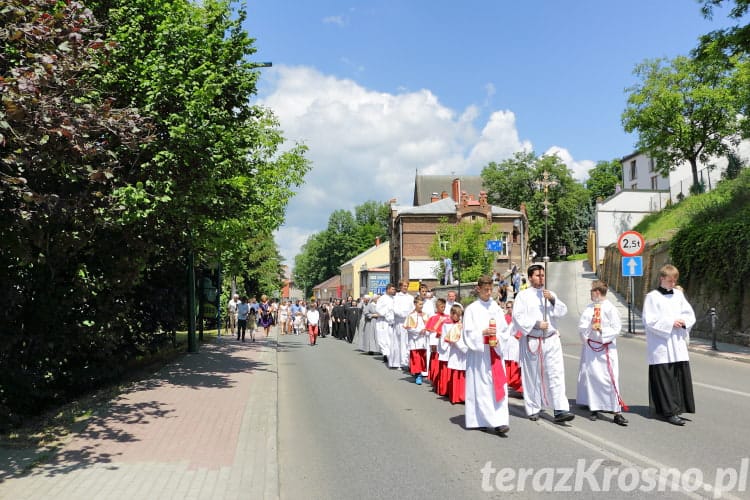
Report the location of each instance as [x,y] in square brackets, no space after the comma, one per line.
[703,346]
[204,427]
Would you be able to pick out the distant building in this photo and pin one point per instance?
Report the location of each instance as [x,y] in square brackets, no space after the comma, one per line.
[328,289]
[413,228]
[356,273]
[646,191]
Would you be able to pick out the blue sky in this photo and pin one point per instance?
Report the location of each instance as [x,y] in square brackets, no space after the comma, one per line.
[379,89]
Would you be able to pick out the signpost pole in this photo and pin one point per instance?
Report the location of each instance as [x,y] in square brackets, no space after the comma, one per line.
[631,297]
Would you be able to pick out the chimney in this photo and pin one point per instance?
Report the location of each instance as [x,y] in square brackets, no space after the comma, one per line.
[456,190]
[434,198]
[443,195]
[377,241]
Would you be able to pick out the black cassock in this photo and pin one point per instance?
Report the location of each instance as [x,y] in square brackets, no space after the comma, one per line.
[323,323]
[339,315]
[352,320]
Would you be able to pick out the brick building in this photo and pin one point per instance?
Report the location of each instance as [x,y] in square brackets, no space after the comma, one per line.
[413,228]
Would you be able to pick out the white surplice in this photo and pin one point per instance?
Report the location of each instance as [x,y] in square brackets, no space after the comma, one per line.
[596,385]
[403,304]
[664,342]
[482,410]
[384,325]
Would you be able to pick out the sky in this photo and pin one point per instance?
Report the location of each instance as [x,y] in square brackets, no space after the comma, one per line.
[379,90]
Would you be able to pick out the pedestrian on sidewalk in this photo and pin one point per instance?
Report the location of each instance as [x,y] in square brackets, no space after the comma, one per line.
[243,311]
[484,334]
[313,319]
[668,318]
[232,313]
[535,314]
[265,318]
[598,373]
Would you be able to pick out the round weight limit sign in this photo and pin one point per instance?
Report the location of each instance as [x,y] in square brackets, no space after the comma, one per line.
[630,243]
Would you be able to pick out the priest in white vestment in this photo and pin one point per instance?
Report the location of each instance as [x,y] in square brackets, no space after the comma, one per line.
[385,320]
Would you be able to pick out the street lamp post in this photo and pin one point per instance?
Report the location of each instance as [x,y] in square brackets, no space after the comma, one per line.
[519,224]
[545,183]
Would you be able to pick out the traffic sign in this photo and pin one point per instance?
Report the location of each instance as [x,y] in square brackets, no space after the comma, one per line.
[494,246]
[630,243]
[632,266]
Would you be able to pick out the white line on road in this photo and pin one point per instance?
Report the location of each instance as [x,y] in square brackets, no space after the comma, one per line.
[722,389]
[617,452]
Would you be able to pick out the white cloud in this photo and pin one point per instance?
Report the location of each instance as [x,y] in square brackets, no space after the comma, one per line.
[580,168]
[338,20]
[368,145]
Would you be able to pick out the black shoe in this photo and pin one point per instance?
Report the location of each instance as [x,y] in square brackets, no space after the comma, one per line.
[620,420]
[564,416]
[502,430]
[675,420]
[594,416]
[534,417]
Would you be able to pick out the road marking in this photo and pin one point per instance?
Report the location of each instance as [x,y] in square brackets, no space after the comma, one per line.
[722,389]
[589,440]
[619,453]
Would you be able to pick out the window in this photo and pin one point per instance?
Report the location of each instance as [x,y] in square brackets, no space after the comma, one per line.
[655,182]
[444,243]
[651,165]
[633,171]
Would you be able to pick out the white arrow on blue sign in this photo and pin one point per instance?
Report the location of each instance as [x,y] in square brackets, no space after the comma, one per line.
[632,266]
[494,246]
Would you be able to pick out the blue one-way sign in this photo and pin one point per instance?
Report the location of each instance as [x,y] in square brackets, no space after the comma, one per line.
[632,266]
[494,246]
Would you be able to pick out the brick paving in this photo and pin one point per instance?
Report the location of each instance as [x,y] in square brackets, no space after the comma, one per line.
[204,427]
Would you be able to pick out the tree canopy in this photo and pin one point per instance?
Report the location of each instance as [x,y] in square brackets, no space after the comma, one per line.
[512,182]
[129,137]
[346,236]
[683,110]
[603,179]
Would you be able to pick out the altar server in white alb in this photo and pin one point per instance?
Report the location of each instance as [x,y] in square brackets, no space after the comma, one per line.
[535,314]
[598,375]
[485,334]
[403,304]
[668,318]
[416,329]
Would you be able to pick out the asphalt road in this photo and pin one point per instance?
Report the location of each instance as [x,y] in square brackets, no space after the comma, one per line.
[349,428]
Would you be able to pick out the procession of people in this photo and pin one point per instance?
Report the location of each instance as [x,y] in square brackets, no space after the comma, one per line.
[500,347]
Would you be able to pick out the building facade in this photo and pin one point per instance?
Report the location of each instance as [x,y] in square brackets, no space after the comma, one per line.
[414,228]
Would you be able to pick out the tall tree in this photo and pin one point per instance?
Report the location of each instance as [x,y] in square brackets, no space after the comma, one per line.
[514,181]
[64,148]
[603,179]
[683,110]
[346,236]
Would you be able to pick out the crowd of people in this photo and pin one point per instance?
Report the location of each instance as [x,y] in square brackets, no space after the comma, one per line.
[500,346]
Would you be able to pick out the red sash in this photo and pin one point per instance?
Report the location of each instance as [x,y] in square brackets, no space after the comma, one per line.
[498,372]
